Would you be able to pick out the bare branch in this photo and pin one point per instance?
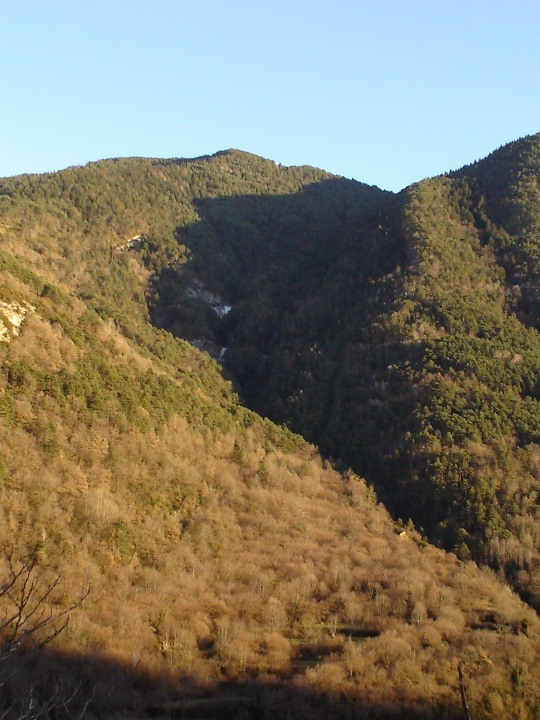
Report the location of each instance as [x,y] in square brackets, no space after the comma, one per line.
[28,619]
[27,624]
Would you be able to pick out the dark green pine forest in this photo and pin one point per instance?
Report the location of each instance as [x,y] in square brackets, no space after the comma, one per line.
[207,357]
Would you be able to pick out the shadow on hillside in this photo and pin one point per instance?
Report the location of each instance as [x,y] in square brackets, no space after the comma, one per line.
[329,335]
[308,277]
[71,685]
[253,247]
[287,238]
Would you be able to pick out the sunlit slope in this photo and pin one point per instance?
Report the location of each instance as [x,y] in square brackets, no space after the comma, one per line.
[400,336]
[220,547]
[397,332]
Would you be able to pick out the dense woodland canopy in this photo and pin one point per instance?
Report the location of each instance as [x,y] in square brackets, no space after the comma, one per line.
[229,562]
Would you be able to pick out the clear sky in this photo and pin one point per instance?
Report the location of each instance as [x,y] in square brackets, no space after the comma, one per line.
[385,91]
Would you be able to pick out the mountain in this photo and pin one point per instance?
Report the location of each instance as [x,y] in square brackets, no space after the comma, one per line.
[397,332]
[233,569]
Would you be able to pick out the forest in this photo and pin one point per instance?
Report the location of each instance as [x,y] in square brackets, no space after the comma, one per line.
[270,441]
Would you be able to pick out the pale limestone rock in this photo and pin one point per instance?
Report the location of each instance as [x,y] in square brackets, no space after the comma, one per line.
[12,315]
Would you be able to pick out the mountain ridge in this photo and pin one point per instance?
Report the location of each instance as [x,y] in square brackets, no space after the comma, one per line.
[220,545]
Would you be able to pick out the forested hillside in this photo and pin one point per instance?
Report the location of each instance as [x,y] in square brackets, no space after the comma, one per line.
[399,333]
[232,569]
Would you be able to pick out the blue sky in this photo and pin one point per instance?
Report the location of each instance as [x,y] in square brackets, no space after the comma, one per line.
[385,91]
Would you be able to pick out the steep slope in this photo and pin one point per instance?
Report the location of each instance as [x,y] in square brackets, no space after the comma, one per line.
[218,545]
[396,332]
[214,551]
[468,468]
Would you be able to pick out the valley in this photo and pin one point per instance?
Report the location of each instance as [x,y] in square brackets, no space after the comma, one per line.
[286,428]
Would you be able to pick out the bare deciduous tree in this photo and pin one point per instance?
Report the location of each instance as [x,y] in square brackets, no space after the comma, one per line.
[27,624]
